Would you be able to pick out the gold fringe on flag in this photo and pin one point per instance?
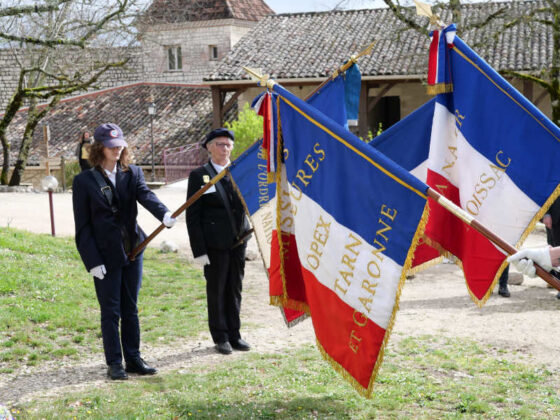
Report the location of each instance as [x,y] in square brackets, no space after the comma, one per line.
[439,88]
[285,299]
[367,392]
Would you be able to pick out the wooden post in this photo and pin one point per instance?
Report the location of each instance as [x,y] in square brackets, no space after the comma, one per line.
[46,137]
[528,89]
[216,107]
[363,125]
[63,172]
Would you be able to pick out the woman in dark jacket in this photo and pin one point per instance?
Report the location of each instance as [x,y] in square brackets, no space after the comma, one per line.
[82,151]
[105,210]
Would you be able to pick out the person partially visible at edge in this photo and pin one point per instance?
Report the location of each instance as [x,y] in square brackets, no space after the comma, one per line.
[82,151]
[547,257]
[551,220]
[218,233]
[105,210]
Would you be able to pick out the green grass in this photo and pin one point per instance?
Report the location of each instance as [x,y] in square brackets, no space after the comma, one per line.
[49,309]
[299,384]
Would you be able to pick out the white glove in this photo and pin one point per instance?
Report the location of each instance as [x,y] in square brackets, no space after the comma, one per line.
[168,221]
[203,259]
[523,260]
[98,272]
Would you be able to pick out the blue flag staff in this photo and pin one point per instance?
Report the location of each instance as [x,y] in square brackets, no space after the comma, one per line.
[266,81]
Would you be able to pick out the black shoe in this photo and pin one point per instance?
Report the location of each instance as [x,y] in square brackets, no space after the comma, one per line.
[240,344]
[558,295]
[140,367]
[116,372]
[503,291]
[224,348]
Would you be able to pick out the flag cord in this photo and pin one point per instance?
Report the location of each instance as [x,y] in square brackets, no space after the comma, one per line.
[479,227]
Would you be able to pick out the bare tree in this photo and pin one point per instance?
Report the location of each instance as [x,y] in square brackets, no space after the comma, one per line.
[61,47]
[538,12]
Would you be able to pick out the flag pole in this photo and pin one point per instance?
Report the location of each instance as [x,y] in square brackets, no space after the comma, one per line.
[353,59]
[177,212]
[484,231]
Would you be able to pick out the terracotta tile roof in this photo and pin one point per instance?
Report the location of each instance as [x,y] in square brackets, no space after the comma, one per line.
[183,116]
[308,45]
[174,11]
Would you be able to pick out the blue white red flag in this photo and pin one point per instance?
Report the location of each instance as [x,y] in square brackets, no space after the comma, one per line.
[249,174]
[264,106]
[339,98]
[333,99]
[439,73]
[407,143]
[354,218]
[491,152]
[494,154]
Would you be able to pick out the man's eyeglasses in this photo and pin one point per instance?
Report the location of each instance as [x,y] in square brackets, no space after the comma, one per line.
[226,145]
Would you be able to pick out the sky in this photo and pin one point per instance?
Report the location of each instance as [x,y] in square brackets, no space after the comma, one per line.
[293,6]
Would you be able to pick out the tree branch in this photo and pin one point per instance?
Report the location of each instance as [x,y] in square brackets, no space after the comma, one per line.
[486,21]
[99,25]
[45,92]
[45,42]
[525,76]
[397,10]
[27,10]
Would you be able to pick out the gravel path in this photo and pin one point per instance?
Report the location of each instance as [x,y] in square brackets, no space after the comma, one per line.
[434,302]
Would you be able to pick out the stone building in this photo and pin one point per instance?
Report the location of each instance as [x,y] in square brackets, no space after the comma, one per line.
[184,40]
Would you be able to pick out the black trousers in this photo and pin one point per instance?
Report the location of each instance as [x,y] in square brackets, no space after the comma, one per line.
[503,281]
[224,276]
[117,295]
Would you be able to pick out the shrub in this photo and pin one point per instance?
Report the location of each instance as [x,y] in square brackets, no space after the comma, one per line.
[248,127]
[71,169]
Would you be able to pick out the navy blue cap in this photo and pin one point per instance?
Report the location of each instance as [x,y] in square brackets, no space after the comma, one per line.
[218,132]
[110,135]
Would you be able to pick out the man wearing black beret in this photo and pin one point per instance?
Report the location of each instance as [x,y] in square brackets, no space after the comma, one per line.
[218,229]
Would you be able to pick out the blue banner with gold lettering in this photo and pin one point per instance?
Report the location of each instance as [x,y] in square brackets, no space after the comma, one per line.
[353,218]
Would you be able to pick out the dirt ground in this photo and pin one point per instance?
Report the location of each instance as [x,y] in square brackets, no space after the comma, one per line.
[434,302]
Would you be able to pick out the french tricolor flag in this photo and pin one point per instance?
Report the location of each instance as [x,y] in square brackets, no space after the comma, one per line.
[486,148]
[354,218]
[249,173]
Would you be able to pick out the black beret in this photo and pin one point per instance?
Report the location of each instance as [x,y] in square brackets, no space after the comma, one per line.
[218,132]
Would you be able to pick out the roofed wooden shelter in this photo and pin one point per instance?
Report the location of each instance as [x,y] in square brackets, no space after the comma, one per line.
[300,50]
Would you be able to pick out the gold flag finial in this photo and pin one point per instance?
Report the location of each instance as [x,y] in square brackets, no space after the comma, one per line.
[366,51]
[257,76]
[424,9]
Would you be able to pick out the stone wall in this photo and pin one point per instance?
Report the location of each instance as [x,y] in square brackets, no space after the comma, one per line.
[194,38]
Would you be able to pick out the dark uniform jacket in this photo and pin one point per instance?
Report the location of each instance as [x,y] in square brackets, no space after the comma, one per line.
[208,222]
[553,235]
[99,237]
